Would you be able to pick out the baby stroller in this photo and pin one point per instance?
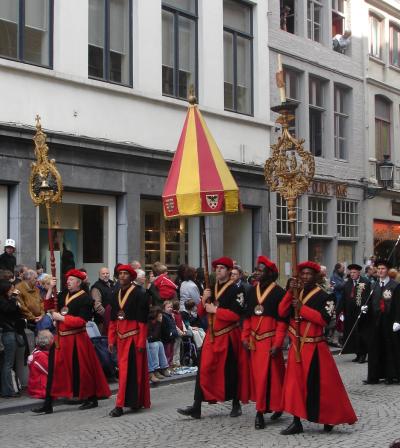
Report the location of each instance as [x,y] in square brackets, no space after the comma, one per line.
[189,354]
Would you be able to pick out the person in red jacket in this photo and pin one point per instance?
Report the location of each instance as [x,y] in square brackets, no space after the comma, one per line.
[223,372]
[313,389]
[263,334]
[128,331]
[38,363]
[74,368]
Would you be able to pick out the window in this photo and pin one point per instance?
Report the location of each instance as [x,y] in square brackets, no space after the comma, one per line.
[238,57]
[288,16]
[382,127]
[110,40]
[347,218]
[338,17]
[282,222]
[26,31]
[394,46]
[314,20]
[318,216]
[316,109]
[292,80]
[179,47]
[375,31]
[341,120]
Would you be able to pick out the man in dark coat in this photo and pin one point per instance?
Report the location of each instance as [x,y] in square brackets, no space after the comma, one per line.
[223,371]
[384,309]
[356,294]
[313,389]
[7,258]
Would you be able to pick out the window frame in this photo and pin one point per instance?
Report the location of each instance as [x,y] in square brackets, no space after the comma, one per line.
[106,49]
[250,37]
[338,114]
[20,37]
[345,210]
[177,12]
[316,108]
[374,17]
[282,219]
[383,122]
[323,213]
[336,13]
[312,37]
[294,125]
[392,29]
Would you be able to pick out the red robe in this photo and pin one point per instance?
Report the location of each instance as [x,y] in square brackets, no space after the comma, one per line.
[134,387]
[263,332]
[223,372]
[313,389]
[77,370]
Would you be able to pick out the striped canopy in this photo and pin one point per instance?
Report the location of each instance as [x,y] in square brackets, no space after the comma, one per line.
[199,181]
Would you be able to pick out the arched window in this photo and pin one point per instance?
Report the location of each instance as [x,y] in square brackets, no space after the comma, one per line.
[382,127]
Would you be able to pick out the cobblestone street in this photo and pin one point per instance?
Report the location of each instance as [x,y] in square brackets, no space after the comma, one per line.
[377,408]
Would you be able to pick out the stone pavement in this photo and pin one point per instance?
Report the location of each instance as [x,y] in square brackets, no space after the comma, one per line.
[377,407]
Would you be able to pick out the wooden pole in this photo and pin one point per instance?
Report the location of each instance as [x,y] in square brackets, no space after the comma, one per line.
[292,217]
[210,317]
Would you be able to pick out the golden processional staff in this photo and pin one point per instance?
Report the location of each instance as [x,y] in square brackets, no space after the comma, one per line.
[45,188]
[199,182]
[289,171]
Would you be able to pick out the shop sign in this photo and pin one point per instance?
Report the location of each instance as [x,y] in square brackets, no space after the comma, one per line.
[328,189]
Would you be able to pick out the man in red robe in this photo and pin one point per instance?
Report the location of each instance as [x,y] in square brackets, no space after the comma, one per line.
[313,389]
[223,372]
[263,334]
[128,331]
[74,369]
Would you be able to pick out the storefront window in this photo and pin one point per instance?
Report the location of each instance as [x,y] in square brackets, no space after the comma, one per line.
[318,216]
[345,253]
[347,218]
[282,222]
[385,237]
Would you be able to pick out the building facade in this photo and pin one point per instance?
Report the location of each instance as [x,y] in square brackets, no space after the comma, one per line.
[111,92]
[328,87]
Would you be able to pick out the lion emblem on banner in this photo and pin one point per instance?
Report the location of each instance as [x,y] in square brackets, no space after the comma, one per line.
[212,200]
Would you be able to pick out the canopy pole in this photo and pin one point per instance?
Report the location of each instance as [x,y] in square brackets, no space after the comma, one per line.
[210,317]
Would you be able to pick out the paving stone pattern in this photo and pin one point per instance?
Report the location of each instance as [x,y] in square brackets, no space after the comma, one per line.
[377,408]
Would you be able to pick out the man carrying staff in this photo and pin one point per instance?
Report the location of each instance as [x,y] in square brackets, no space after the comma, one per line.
[223,370]
[356,294]
[263,334]
[313,389]
[128,330]
[74,369]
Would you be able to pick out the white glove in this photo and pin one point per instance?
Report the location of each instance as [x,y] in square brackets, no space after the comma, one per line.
[396,326]
[364,309]
[341,318]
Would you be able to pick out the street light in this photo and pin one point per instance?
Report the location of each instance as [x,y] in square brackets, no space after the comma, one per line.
[385,172]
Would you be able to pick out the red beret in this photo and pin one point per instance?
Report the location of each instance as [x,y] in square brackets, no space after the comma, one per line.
[225,261]
[127,268]
[310,265]
[267,262]
[76,273]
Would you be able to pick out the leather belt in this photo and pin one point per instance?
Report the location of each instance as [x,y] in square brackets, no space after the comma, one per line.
[226,329]
[71,332]
[262,336]
[307,340]
[127,334]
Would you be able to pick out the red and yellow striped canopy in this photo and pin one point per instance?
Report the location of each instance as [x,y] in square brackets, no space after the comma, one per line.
[199,181]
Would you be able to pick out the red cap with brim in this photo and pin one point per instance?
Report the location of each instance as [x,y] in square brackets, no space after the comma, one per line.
[128,268]
[76,273]
[310,265]
[225,261]
[262,259]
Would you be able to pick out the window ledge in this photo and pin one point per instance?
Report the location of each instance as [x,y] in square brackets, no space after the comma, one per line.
[340,160]
[128,91]
[376,59]
[396,68]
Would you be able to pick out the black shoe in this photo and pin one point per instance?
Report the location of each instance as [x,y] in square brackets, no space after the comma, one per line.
[190,411]
[389,381]
[236,410]
[293,428]
[328,428]
[356,359]
[45,409]
[88,405]
[259,423]
[370,382]
[363,359]
[116,412]
[276,415]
